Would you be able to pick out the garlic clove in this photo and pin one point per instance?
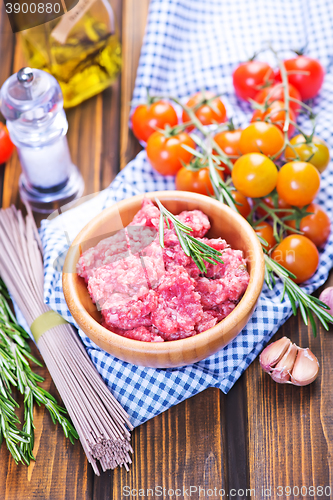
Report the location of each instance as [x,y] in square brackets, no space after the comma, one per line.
[272,354]
[281,372]
[306,368]
[326,296]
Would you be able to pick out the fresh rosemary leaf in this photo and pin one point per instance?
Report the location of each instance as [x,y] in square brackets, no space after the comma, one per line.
[320,303]
[161,230]
[182,240]
[221,190]
[308,304]
[206,247]
[193,151]
[197,250]
[312,322]
[303,312]
[15,371]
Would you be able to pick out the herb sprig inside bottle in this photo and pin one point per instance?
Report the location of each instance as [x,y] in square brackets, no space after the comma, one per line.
[192,247]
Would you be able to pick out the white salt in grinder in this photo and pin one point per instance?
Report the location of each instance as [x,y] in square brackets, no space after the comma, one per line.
[32,103]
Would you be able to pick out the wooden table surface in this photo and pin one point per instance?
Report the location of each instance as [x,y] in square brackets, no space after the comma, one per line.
[261,436]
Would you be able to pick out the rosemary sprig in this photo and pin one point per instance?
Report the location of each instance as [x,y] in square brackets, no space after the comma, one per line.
[197,250]
[279,223]
[15,371]
[308,304]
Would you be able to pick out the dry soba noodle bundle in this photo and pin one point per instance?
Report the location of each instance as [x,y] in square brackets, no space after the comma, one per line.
[102,424]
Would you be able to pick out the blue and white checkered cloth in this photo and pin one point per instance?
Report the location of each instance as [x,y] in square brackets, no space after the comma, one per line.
[190,45]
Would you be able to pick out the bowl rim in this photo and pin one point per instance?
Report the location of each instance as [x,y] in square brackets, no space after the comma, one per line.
[243,308]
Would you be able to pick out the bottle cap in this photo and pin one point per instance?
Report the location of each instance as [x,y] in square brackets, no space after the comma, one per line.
[29,95]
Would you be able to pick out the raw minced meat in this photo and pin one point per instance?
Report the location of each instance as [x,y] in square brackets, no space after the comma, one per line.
[152,294]
[197,220]
[230,286]
[207,321]
[122,293]
[140,333]
[179,307]
[105,252]
[148,215]
[130,240]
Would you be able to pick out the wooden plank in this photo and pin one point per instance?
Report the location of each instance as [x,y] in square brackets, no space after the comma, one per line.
[7,44]
[10,195]
[290,429]
[61,470]
[110,153]
[234,409]
[180,448]
[134,23]
[12,172]
[85,140]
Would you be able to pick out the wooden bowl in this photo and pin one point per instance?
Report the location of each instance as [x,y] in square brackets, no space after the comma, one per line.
[224,222]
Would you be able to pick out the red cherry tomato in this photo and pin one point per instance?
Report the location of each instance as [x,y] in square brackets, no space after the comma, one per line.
[166,153]
[206,113]
[265,230]
[316,226]
[261,137]
[275,114]
[196,181]
[249,77]
[242,203]
[228,140]
[299,255]
[254,175]
[6,145]
[276,93]
[305,74]
[147,118]
[298,183]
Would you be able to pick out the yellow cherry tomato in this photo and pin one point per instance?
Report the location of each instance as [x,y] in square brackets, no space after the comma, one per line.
[315,152]
[298,183]
[261,137]
[254,175]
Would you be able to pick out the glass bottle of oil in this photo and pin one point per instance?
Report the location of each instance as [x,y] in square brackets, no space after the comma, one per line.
[81,50]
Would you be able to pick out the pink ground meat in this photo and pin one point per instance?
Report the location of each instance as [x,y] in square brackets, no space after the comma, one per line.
[117,247]
[141,333]
[207,321]
[122,293]
[197,220]
[105,252]
[222,310]
[148,215]
[153,263]
[152,294]
[179,307]
[172,251]
[230,287]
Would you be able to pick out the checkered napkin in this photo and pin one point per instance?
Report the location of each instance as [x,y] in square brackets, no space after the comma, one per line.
[191,45]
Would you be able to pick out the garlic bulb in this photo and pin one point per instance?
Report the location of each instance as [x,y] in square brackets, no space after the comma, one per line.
[287,363]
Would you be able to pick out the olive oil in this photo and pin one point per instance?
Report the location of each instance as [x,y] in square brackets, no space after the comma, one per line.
[81,51]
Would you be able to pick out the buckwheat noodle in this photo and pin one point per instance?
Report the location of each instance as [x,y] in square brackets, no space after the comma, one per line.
[101,422]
